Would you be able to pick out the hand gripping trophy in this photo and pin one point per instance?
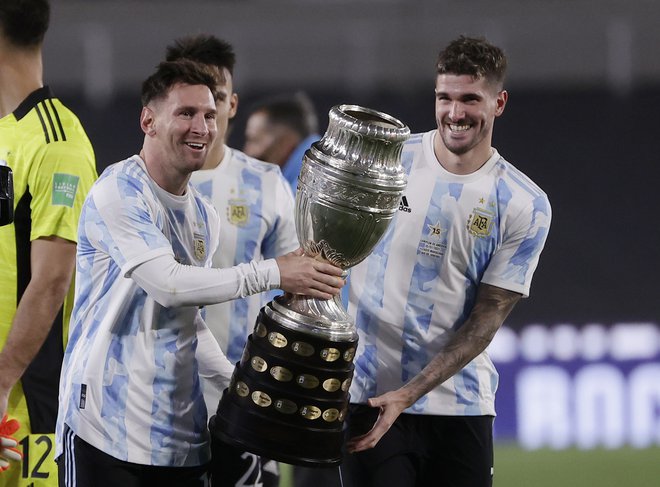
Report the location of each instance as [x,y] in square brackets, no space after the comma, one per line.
[288,396]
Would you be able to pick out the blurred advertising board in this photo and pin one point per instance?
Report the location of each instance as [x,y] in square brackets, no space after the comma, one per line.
[592,386]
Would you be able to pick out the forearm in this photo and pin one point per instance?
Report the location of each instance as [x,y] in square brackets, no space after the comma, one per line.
[492,307]
[32,322]
[172,284]
[462,348]
[52,261]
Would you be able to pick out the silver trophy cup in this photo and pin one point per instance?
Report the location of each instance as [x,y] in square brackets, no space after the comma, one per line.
[288,396]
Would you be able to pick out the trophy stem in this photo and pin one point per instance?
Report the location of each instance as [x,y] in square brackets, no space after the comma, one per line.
[323,318]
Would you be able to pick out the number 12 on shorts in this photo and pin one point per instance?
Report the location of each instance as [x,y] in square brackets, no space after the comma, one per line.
[38,466]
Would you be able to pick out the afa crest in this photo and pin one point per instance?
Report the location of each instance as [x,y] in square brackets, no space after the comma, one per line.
[200,247]
[480,223]
[238,212]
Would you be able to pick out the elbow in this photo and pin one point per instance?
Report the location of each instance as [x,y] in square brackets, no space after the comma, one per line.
[170,297]
[166,294]
[167,300]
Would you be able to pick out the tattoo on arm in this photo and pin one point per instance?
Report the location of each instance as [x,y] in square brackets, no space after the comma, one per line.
[492,306]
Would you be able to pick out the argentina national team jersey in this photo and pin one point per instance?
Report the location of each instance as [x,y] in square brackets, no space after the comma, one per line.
[256,212]
[417,288]
[130,384]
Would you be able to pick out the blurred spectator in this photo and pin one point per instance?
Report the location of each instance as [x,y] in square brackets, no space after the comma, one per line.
[280,130]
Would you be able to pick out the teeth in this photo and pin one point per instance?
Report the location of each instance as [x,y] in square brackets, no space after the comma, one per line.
[195,146]
[458,128]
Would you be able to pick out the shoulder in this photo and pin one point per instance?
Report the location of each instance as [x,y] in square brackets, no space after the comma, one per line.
[125,178]
[270,174]
[53,135]
[416,139]
[68,122]
[48,120]
[517,177]
[417,142]
[521,186]
[414,150]
[255,165]
[130,168]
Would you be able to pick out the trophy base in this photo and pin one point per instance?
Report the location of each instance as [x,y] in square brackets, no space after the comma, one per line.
[276,441]
[288,396]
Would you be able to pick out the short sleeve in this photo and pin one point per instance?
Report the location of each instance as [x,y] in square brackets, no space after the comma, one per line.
[513,264]
[121,219]
[59,181]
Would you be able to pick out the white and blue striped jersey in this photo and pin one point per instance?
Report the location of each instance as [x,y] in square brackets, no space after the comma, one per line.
[130,384]
[452,232]
[256,211]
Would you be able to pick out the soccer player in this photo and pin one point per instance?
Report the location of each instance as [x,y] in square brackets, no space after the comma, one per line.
[132,411]
[427,302]
[256,210]
[53,168]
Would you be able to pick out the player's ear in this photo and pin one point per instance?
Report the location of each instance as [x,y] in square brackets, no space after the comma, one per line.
[502,98]
[147,121]
[233,105]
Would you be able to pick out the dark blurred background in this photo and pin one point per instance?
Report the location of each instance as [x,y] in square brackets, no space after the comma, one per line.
[582,118]
[579,360]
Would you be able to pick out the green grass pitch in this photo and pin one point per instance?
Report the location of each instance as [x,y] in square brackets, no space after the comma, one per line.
[515,467]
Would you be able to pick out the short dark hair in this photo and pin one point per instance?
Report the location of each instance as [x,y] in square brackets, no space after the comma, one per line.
[169,73]
[203,48]
[474,56]
[295,111]
[24,22]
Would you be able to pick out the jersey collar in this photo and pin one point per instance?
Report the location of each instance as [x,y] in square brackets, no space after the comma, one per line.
[32,100]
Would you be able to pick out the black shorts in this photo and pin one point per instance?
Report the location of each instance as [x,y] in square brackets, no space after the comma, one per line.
[419,451]
[82,465]
[231,466]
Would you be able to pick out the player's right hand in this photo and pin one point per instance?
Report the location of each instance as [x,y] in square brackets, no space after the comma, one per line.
[300,274]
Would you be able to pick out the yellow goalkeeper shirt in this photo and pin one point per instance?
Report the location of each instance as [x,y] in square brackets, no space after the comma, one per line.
[53,167]
[52,160]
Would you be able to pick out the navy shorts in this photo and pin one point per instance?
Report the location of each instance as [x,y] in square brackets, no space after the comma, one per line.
[418,450]
[231,466]
[82,465]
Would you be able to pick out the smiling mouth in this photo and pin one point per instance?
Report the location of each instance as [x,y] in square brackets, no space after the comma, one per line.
[195,145]
[459,128]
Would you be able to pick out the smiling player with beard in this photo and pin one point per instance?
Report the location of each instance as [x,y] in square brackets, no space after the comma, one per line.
[431,296]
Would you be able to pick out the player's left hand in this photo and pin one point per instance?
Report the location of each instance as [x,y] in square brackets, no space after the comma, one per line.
[8,443]
[391,405]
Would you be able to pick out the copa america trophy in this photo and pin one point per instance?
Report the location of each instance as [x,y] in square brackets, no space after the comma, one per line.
[288,395]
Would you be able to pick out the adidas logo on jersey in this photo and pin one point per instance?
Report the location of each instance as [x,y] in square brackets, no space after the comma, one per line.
[403,205]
